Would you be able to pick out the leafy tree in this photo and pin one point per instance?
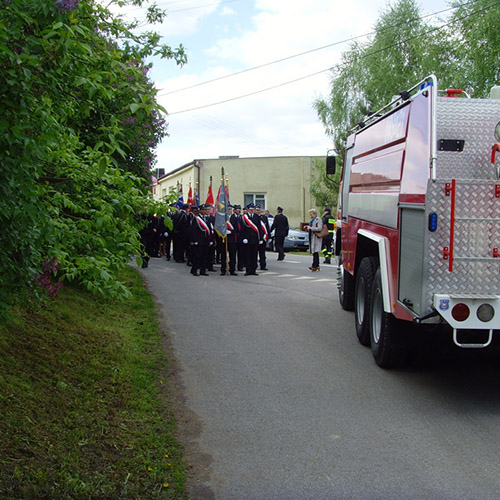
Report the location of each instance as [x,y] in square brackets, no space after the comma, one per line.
[78,129]
[324,188]
[404,50]
[477,38]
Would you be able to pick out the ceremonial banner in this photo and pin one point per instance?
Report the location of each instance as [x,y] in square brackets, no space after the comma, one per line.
[222,213]
[180,198]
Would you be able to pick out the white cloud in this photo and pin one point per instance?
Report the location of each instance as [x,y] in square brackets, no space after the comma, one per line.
[227,11]
[223,40]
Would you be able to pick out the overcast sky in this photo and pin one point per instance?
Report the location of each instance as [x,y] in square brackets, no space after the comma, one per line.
[223,37]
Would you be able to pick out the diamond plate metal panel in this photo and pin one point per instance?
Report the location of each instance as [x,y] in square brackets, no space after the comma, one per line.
[477,232]
[474,121]
[477,209]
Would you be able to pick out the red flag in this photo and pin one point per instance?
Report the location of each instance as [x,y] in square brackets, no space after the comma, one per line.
[190,197]
[210,197]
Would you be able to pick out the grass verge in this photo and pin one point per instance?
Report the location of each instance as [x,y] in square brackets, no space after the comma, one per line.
[83,410]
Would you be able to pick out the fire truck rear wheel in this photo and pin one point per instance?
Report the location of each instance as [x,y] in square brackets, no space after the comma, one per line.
[362,298]
[346,288]
[388,341]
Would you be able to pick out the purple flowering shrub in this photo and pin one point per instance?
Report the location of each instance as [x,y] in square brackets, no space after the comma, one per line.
[66,5]
[47,278]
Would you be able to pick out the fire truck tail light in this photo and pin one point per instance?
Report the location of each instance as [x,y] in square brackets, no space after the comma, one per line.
[485,313]
[433,221]
[460,312]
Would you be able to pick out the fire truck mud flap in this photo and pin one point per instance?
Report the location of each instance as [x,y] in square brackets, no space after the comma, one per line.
[472,314]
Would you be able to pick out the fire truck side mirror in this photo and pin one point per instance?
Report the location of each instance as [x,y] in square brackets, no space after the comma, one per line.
[330,164]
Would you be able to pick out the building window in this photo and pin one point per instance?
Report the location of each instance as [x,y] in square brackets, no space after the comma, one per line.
[256,199]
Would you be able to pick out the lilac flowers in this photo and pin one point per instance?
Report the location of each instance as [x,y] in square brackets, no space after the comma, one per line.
[66,5]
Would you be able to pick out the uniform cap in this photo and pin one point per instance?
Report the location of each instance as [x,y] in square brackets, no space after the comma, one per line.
[237,207]
[250,205]
[280,209]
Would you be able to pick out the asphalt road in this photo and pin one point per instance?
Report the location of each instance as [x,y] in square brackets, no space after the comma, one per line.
[290,407]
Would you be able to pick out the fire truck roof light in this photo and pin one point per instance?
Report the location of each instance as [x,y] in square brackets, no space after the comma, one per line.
[453,92]
[485,312]
[460,312]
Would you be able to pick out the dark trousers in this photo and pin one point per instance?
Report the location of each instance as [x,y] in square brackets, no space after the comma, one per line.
[326,249]
[180,243]
[241,256]
[168,244]
[262,255]
[315,259]
[251,257]
[232,250]
[279,241]
[199,258]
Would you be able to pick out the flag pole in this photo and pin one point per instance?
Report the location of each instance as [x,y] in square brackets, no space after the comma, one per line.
[225,212]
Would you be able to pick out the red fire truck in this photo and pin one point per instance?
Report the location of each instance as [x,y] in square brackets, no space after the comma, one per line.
[418,232]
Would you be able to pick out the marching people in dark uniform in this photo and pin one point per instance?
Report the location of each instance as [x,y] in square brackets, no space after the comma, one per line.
[194,210]
[250,235]
[165,237]
[155,244]
[280,227]
[237,222]
[233,237]
[328,239]
[208,215]
[201,238]
[264,236]
[180,235]
[147,234]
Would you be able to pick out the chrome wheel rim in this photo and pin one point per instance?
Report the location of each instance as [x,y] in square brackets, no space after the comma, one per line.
[376,315]
[360,301]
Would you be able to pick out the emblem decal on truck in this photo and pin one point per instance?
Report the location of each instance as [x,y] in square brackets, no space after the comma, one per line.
[444,304]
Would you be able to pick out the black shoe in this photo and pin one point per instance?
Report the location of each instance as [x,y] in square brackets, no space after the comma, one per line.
[212,270]
[233,274]
[223,273]
[264,269]
[251,274]
[241,269]
[203,274]
[194,273]
[168,257]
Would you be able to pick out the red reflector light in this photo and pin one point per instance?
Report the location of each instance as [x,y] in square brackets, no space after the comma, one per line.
[460,312]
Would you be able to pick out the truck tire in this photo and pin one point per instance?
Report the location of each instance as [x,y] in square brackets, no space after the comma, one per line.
[388,340]
[346,287]
[362,302]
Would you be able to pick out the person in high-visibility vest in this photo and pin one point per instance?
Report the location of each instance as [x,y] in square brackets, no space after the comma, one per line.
[326,250]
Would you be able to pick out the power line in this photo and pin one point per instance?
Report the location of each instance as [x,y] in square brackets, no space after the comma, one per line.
[336,66]
[231,131]
[251,93]
[186,8]
[304,53]
[200,6]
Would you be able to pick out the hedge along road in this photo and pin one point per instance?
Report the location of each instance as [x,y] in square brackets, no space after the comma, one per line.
[281,402]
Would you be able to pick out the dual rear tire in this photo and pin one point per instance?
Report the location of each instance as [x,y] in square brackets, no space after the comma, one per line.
[374,326]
